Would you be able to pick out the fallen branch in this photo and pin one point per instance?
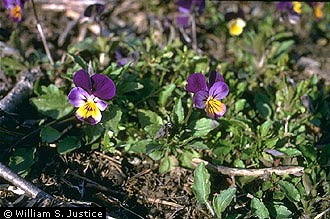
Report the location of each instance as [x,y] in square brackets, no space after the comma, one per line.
[22,90]
[229,171]
[30,189]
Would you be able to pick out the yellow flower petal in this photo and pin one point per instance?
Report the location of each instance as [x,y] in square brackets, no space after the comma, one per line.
[16,12]
[214,107]
[318,13]
[236,26]
[89,109]
[297,7]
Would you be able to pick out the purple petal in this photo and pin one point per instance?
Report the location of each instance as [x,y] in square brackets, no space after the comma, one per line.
[196,82]
[219,90]
[200,4]
[89,120]
[284,6]
[183,21]
[293,18]
[100,104]
[103,87]
[200,98]
[82,79]
[7,3]
[214,77]
[78,96]
[274,152]
[184,5]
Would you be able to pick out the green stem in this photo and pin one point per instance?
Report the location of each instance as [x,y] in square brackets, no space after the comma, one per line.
[189,114]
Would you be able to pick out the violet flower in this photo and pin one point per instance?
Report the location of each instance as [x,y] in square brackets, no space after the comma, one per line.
[208,95]
[290,11]
[88,95]
[15,8]
[186,7]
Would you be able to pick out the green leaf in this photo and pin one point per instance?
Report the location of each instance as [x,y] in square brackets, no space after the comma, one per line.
[165,94]
[53,103]
[112,118]
[290,191]
[202,185]
[147,117]
[259,209]
[22,160]
[167,164]
[129,86]
[203,126]
[222,200]
[280,212]
[186,157]
[178,111]
[265,127]
[92,133]
[239,105]
[291,152]
[262,104]
[79,60]
[49,134]
[140,146]
[68,144]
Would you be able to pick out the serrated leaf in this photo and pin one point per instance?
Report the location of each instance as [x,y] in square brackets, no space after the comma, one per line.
[290,191]
[178,111]
[49,134]
[53,103]
[68,144]
[165,94]
[259,209]
[222,200]
[202,185]
[203,126]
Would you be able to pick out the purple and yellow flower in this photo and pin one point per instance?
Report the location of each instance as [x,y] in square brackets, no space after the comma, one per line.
[186,7]
[208,95]
[290,11]
[88,95]
[15,8]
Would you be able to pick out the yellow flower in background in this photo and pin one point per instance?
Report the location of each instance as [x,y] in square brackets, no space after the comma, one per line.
[318,7]
[297,7]
[236,26]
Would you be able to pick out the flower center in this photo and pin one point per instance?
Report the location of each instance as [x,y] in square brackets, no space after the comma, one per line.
[214,107]
[16,12]
[88,109]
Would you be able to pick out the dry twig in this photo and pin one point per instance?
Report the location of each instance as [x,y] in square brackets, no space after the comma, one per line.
[283,170]
[163,202]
